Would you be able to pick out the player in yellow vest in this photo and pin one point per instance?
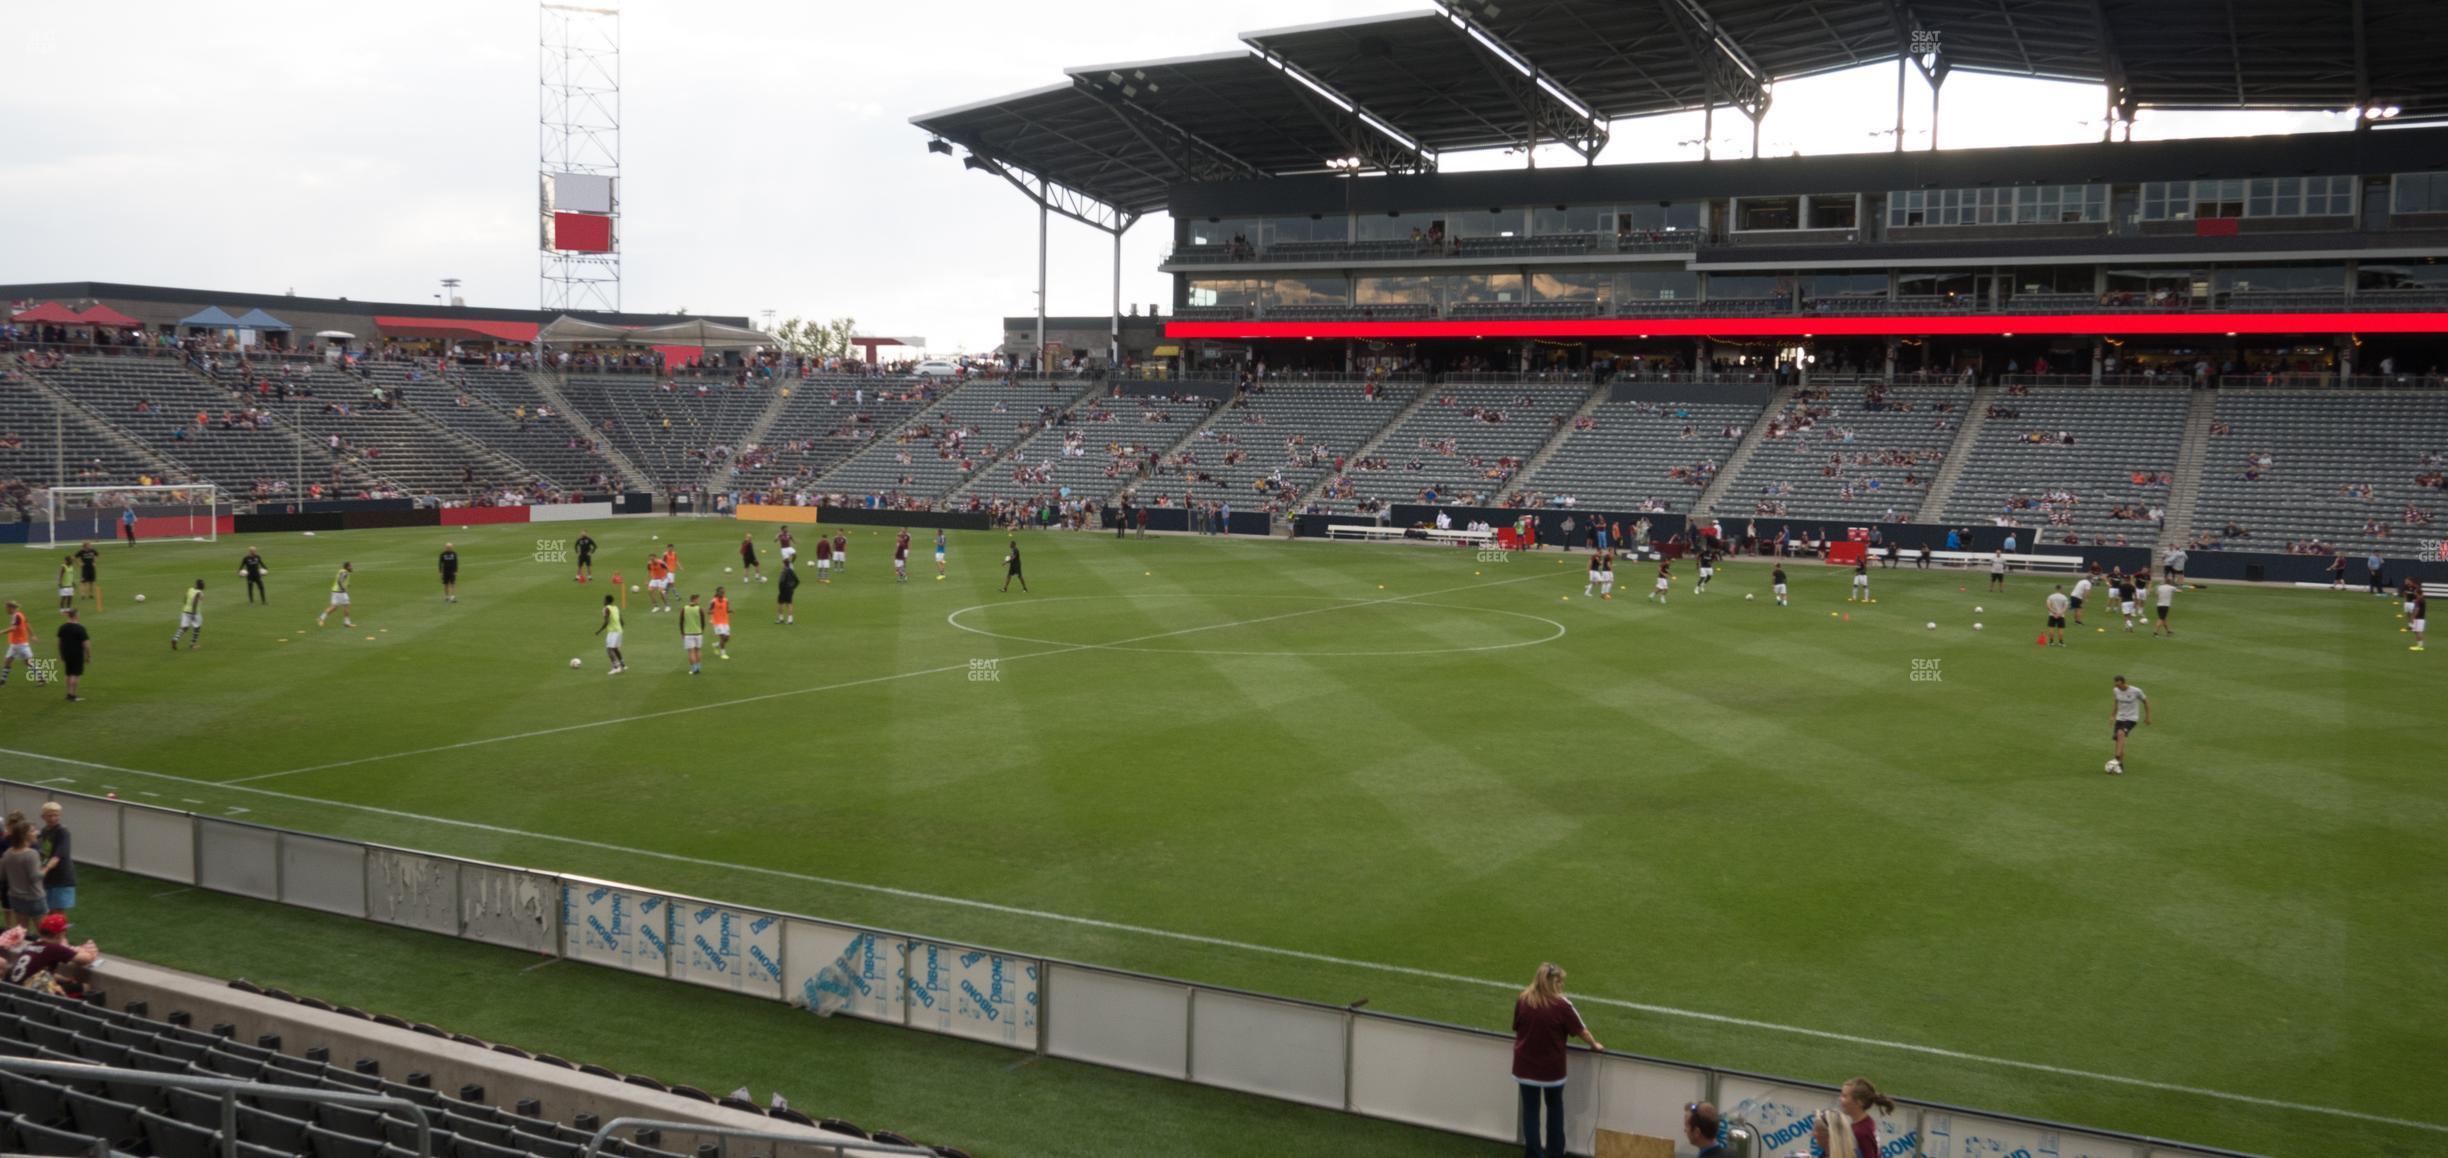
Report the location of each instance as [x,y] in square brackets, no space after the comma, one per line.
[67,582]
[693,632]
[610,630]
[191,618]
[339,598]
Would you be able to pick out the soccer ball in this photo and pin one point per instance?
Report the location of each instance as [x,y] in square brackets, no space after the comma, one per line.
[140,599]
[633,589]
[1933,625]
[726,570]
[2115,766]
[575,663]
[1976,627]
[939,578]
[1748,597]
[1979,610]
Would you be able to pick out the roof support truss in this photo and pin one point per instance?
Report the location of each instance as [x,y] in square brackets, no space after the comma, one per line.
[1733,78]
[1197,158]
[1054,196]
[1554,112]
[1375,142]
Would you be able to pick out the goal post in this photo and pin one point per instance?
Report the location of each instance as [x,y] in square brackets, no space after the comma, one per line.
[69,515]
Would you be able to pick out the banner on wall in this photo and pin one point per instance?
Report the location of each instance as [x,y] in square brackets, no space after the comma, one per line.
[727,948]
[973,993]
[611,925]
[1969,1136]
[834,969]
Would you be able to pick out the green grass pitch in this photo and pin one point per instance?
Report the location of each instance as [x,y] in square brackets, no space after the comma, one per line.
[1337,771]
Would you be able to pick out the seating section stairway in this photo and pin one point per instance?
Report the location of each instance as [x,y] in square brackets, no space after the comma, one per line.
[2073,460]
[1093,450]
[1853,452]
[1642,455]
[157,402]
[1273,442]
[2343,470]
[950,441]
[678,433]
[1463,446]
[823,423]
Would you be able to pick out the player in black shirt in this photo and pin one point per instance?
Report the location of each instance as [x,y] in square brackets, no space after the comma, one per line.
[450,573]
[784,593]
[1777,579]
[748,560]
[252,567]
[1011,568]
[86,575]
[75,648]
[586,557]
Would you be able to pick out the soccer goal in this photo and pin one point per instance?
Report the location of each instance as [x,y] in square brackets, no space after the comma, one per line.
[74,514]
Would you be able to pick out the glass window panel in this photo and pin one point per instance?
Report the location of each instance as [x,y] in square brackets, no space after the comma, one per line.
[1571,287]
[1481,223]
[1223,292]
[1746,285]
[1657,285]
[1307,291]
[1768,213]
[1549,221]
[1391,289]
[1389,227]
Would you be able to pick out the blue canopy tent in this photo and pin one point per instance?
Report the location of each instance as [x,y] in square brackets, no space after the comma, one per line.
[259,320]
[209,318]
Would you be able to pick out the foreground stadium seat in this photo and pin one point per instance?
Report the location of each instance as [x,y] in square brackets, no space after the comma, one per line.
[104,1118]
[171,1138]
[324,1143]
[32,1100]
[35,1138]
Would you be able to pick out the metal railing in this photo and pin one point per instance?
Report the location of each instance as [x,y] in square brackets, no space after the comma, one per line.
[229,1089]
[847,1147]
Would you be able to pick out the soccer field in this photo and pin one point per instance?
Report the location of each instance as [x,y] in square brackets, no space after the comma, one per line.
[1817,841]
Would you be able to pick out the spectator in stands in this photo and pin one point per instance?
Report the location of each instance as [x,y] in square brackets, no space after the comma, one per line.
[59,861]
[1543,1020]
[1851,1115]
[21,874]
[50,964]
[1701,1128]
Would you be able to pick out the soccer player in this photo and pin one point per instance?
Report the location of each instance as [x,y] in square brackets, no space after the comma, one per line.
[586,558]
[191,618]
[1011,568]
[87,560]
[2082,590]
[1708,570]
[2414,622]
[2166,597]
[901,557]
[610,630]
[784,546]
[339,598]
[67,582]
[939,552]
[1596,565]
[2337,573]
[253,570]
[671,566]
[1606,575]
[127,524]
[2130,707]
[719,611]
[841,549]
[1665,581]
[20,642]
[2128,602]
[75,651]
[1861,581]
[1997,570]
[1776,580]
[450,573]
[784,594]
[2057,605]
[658,577]
[748,559]
[824,560]
[693,633]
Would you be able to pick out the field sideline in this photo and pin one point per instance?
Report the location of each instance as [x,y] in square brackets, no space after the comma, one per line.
[1336,771]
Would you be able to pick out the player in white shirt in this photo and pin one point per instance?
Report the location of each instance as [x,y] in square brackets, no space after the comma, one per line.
[2057,605]
[2082,591]
[2166,593]
[1665,581]
[2129,707]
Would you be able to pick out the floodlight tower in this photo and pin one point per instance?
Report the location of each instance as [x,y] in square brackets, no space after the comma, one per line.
[578,157]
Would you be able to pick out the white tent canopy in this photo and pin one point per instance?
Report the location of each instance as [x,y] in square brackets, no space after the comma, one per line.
[699,332]
[568,331]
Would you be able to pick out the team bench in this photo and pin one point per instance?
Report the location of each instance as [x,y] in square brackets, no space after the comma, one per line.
[1379,531]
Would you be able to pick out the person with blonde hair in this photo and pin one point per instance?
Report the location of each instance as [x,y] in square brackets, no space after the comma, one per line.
[1543,1020]
[1851,1116]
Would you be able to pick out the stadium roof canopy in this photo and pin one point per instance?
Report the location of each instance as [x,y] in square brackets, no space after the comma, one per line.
[1386,94]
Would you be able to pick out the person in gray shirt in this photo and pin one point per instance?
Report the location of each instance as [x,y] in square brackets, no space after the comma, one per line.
[21,873]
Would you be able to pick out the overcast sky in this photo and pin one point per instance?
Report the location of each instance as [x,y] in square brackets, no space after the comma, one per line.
[340,149]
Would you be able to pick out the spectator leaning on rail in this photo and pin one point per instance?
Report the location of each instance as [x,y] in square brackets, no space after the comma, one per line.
[1851,1115]
[1543,1018]
[49,963]
[59,861]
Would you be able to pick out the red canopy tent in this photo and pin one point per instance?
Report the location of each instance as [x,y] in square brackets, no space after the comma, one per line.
[456,329]
[51,313]
[102,315]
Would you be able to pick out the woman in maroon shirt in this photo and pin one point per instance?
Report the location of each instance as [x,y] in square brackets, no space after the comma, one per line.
[1543,1019]
[1853,1104]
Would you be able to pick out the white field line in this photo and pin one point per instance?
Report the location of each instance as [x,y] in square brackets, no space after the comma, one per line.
[1270,950]
[834,687]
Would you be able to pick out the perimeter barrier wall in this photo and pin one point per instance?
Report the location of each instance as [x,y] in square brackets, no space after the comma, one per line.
[1422,1073]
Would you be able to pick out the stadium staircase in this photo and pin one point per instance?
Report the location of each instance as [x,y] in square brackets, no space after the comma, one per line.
[1417,403]
[1555,444]
[106,390]
[1189,438]
[1959,456]
[632,479]
[726,478]
[2176,527]
[1753,435]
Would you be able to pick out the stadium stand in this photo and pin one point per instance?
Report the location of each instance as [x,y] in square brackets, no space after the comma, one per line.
[2317,472]
[1848,452]
[157,402]
[1094,450]
[1464,446]
[499,409]
[350,414]
[676,431]
[1640,455]
[2073,460]
[40,438]
[445,1075]
[823,423]
[949,442]
[1274,441]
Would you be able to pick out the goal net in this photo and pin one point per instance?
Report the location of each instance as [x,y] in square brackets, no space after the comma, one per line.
[74,514]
